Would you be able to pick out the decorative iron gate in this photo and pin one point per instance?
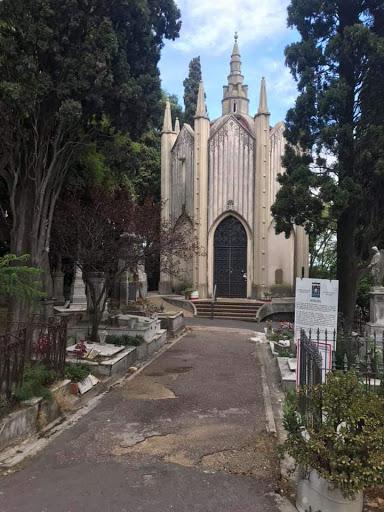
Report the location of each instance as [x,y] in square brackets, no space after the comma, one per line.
[230,259]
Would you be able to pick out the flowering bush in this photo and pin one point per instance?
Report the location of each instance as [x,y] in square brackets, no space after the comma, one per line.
[42,346]
[80,349]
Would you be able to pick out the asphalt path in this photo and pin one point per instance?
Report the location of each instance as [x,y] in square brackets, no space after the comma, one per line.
[186,434]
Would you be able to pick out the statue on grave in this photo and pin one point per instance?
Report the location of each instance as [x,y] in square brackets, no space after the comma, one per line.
[376,267]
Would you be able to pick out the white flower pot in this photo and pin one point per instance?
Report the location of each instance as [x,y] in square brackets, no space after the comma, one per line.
[316,494]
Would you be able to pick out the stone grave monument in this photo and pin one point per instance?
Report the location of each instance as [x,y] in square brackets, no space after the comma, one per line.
[376,321]
[78,289]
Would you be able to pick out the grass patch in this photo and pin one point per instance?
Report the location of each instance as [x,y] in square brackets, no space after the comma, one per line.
[124,340]
[36,380]
[77,372]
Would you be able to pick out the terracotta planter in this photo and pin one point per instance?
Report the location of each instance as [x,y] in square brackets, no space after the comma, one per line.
[315,493]
[74,388]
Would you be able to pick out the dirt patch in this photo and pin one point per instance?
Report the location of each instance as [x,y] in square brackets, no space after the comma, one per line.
[157,445]
[258,459]
[189,449]
[145,388]
[179,370]
[179,458]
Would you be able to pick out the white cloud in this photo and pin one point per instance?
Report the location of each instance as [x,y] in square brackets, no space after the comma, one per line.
[284,87]
[212,23]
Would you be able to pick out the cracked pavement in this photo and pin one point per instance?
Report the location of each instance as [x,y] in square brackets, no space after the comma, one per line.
[186,434]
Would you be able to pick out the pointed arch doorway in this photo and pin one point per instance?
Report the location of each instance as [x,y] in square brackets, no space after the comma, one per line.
[230,258]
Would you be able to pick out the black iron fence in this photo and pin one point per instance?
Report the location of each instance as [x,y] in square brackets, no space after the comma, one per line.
[12,361]
[364,354]
[36,340]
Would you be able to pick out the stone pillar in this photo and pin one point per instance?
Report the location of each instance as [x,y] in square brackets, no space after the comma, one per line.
[261,204]
[58,287]
[376,321]
[202,128]
[142,282]
[98,281]
[78,288]
[168,138]
[301,252]
[126,289]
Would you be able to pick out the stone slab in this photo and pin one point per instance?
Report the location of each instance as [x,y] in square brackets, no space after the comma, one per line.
[105,350]
[272,347]
[74,308]
[86,385]
[174,323]
[292,364]
[287,377]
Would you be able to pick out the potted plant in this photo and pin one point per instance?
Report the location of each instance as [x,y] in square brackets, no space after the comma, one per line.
[338,443]
[76,372]
[267,297]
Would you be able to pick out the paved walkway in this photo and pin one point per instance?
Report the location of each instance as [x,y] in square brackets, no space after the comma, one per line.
[187,434]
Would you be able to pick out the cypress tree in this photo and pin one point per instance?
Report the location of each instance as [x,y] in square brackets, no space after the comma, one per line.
[191,89]
[335,153]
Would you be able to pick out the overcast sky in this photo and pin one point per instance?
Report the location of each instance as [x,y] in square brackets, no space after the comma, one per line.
[208,30]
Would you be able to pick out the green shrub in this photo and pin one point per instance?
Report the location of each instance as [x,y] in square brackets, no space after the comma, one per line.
[113,339]
[124,340]
[345,433]
[187,292]
[77,372]
[36,379]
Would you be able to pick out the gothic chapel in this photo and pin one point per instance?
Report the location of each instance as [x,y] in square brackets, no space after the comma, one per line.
[222,174]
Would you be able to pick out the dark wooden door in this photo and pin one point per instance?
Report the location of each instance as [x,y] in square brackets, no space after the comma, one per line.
[230,259]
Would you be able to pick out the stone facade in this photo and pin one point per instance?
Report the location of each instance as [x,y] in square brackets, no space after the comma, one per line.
[228,168]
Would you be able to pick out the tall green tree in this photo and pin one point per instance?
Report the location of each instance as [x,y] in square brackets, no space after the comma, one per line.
[191,89]
[335,132]
[65,67]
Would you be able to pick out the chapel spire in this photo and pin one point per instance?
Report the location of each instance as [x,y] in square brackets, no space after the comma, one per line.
[263,106]
[201,109]
[235,98]
[235,61]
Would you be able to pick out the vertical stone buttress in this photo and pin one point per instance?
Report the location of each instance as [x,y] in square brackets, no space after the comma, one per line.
[202,128]
[168,138]
[262,184]
[301,252]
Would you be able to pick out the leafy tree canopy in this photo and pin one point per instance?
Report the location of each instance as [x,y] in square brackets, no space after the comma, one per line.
[67,66]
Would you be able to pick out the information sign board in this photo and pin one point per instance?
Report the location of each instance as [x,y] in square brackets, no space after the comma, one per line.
[316,307]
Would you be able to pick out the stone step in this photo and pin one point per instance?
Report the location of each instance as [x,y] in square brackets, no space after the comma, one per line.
[230,317]
[229,303]
[223,314]
[226,308]
[226,313]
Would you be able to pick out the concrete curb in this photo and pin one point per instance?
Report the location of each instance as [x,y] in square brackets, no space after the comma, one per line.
[271,425]
[181,303]
[15,455]
[283,503]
